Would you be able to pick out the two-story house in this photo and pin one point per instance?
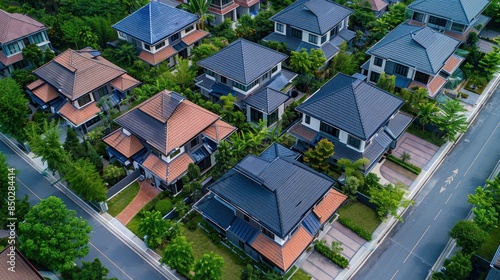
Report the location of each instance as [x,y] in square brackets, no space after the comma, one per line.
[312,24]
[253,74]
[360,119]
[417,55]
[271,206]
[160,31]
[16,32]
[73,82]
[379,7]
[163,135]
[456,18]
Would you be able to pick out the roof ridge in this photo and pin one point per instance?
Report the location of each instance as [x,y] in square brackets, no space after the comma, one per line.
[375,47]
[357,109]
[150,23]
[463,9]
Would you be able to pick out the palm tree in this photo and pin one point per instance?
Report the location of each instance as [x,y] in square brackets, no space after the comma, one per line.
[199,8]
[426,113]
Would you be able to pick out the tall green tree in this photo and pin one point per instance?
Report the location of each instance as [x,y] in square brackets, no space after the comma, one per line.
[85,181]
[53,236]
[318,156]
[350,188]
[203,51]
[352,169]
[199,8]
[89,270]
[71,31]
[490,63]
[307,63]
[224,158]
[452,119]
[13,108]
[208,267]
[343,62]
[47,145]
[183,75]
[33,54]
[154,227]
[468,235]
[389,199]
[73,146]
[458,267]
[387,82]
[427,113]
[486,207]
[179,255]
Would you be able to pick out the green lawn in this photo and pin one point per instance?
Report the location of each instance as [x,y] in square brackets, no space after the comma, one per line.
[426,135]
[202,244]
[362,215]
[489,248]
[133,225]
[122,199]
[301,275]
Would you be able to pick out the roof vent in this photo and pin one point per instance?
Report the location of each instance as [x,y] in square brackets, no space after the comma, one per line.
[126,132]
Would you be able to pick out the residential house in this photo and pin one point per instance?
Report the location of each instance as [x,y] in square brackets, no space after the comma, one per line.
[163,135]
[160,32]
[21,267]
[494,272]
[417,55]
[456,18]
[360,119]
[72,84]
[247,7]
[226,9]
[17,32]
[271,206]
[253,74]
[312,24]
[379,7]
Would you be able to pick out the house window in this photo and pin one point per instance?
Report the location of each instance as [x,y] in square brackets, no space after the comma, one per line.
[279,27]
[14,48]
[241,244]
[92,121]
[374,77]
[421,77]
[437,21]
[418,17]
[122,35]
[457,27]
[174,153]
[223,79]
[307,119]
[272,118]
[265,76]
[160,45]
[334,31]
[329,129]
[246,218]
[377,61]
[313,39]
[209,73]
[267,232]
[102,91]
[401,70]
[255,116]
[296,33]
[353,142]
[189,28]
[323,39]
[84,100]
[21,64]
[194,142]
[275,68]
[175,37]
[38,38]
[147,47]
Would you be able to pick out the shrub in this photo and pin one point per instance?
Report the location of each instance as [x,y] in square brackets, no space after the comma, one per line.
[355,228]
[326,251]
[412,168]
[164,206]
[191,225]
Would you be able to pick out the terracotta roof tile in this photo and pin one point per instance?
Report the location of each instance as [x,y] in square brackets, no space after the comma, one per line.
[11,59]
[303,132]
[195,36]
[378,5]
[414,22]
[223,11]
[125,82]
[433,87]
[127,145]
[168,171]
[452,64]
[14,26]
[283,256]
[156,58]
[79,116]
[24,269]
[332,201]
[45,92]
[219,130]
[246,3]
[35,84]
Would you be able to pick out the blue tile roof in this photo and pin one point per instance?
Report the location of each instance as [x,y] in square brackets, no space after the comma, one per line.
[155,22]
[266,100]
[329,49]
[243,61]
[417,46]
[311,223]
[216,211]
[460,11]
[316,16]
[354,106]
[243,230]
[278,150]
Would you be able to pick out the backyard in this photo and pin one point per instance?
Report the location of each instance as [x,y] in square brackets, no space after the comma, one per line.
[362,215]
[122,199]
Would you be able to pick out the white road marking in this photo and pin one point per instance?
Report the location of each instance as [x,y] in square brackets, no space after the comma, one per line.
[394,274]
[411,252]
[438,214]
[456,187]
[448,199]
[482,149]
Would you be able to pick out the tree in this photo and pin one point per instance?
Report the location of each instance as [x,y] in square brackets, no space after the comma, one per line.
[208,267]
[468,235]
[48,55]
[458,267]
[125,53]
[426,113]
[387,82]
[350,188]
[112,173]
[352,169]
[405,157]
[23,77]
[85,181]
[343,62]
[13,108]
[52,235]
[389,199]
[154,227]
[71,30]
[47,145]
[33,54]
[490,63]
[199,8]
[73,146]
[179,255]
[318,156]
[307,63]
[181,208]
[89,270]
[224,158]
[203,51]
[183,75]
[93,157]
[486,206]
[451,119]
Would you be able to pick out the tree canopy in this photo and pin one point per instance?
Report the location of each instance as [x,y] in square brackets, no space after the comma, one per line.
[85,181]
[179,255]
[389,199]
[13,108]
[318,156]
[208,267]
[89,270]
[468,235]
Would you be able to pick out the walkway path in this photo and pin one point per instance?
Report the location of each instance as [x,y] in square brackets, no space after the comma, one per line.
[146,194]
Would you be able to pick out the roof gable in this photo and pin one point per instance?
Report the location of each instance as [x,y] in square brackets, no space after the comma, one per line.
[14,26]
[351,105]
[266,100]
[155,22]
[461,11]
[237,61]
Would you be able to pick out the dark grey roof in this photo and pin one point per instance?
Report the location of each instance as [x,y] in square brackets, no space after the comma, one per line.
[277,194]
[461,11]
[243,61]
[493,274]
[243,230]
[316,16]
[352,105]
[216,211]
[399,123]
[278,150]
[417,46]
[266,100]
[155,22]
[172,3]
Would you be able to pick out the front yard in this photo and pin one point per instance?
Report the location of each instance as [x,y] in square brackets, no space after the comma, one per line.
[489,247]
[362,215]
[122,199]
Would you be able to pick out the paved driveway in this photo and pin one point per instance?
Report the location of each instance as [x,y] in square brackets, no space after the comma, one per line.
[320,267]
[146,194]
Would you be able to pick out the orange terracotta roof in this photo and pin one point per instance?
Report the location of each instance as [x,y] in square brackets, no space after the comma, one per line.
[195,36]
[125,82]
[168,172]
[433,87]
[159,56]
[35,84]
[79,116]
[378,5]
[332,201]
[302,131]
[14,26]
[414,22]
[283,257]
[23,268]
[219,130]
[246,3]
[11,59]
[452,64]
[45,92]
[223,11]
[127,145]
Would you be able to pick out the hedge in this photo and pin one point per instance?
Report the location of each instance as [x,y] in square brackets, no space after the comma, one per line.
[323,249]
[164,206]
[412,168]
[355,228]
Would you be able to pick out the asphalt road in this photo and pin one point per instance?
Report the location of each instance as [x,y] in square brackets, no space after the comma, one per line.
[122,261]
[411,248]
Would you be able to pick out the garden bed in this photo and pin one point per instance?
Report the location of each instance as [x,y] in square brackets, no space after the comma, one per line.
[477,90]
[122,199]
